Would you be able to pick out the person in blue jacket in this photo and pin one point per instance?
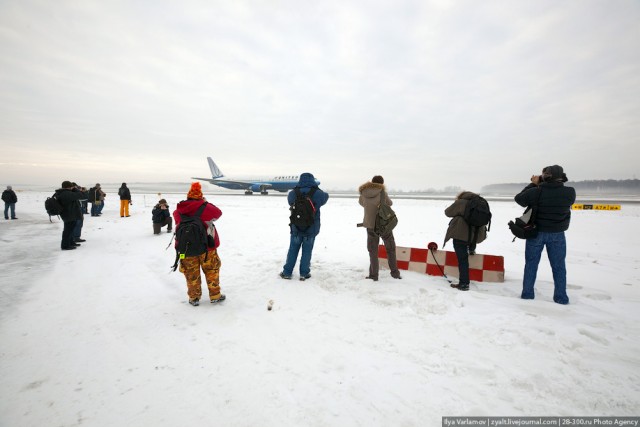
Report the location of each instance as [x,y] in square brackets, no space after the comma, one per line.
[553,200]
[304,236]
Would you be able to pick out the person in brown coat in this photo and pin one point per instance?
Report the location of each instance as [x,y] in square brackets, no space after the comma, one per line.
[459,231]
[370,200]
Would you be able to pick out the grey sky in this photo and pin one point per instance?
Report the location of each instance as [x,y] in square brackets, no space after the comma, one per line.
[426,93]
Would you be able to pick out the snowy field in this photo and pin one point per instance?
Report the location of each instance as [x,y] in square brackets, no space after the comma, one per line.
[104,336]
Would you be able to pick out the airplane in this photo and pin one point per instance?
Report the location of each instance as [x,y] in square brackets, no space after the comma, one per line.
[280,183]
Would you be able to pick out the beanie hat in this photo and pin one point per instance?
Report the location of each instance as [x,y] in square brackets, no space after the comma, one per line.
[8,187]
[554,173]
[195,192]
[377,179]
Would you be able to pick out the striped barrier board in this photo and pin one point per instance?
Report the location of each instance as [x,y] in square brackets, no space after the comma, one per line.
[599,207]
[482,268]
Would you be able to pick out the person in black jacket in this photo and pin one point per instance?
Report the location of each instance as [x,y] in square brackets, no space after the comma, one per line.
[552,220]
[10,199]
[69,197]
[161,216]
[125,200]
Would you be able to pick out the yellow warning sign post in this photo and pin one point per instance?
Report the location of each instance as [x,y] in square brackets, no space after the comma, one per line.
[595,207]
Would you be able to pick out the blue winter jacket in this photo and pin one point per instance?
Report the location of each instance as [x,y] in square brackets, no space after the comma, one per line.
[319,198]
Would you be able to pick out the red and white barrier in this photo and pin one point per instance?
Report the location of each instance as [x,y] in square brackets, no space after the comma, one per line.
[482,268]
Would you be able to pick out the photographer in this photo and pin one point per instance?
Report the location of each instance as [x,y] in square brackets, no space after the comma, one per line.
[69,198]
[552,220]
[161,217]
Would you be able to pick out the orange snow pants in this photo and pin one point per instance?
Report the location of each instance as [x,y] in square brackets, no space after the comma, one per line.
[190,267]
[124,207]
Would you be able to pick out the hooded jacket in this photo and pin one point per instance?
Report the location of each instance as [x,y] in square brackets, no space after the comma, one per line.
[319,198]
[210,214]
[370,200]
[458,227]
[554,205]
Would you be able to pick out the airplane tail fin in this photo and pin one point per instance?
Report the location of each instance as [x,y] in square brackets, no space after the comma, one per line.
[215,170]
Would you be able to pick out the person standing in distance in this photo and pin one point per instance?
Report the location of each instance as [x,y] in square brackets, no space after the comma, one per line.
[554,202]
[125,200]
[10,199]
[304,237]
[370,194]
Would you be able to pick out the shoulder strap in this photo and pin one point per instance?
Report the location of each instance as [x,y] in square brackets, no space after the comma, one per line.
[534,207]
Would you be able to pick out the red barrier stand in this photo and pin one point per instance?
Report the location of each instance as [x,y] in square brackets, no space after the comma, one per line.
[482,268]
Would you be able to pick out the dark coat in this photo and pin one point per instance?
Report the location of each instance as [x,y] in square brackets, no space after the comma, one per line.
[124,193]
[554,206]
[158,215]
[9,196]
[70,201]
[319,198]
[370,200]
[458,227]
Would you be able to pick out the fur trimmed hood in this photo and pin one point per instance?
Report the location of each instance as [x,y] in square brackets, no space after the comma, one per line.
[371,189]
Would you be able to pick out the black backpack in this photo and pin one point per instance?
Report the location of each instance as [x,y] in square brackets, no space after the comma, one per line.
[191,236]
[386,219]
[303,212]
[53,206]
[476,214]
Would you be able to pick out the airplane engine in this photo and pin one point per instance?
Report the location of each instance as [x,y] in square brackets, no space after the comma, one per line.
[255,188]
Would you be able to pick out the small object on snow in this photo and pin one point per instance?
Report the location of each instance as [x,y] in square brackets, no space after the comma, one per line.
[270,305]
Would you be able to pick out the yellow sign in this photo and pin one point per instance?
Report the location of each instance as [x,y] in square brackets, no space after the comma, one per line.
[585,207]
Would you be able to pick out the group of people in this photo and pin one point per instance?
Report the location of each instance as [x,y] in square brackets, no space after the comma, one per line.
[547,192]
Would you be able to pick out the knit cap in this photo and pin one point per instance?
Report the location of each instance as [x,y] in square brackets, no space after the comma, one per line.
[195,192]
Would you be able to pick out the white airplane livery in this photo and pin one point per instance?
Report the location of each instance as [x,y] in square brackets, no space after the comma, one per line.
[280,183]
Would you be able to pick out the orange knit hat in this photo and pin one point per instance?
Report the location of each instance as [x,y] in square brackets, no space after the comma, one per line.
[195,192]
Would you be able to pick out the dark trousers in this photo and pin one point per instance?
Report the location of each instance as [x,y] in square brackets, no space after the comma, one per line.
[373,240]
[157,226]
[67,234]
[462,250]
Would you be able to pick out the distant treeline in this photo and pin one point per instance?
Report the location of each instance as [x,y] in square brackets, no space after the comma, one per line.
[608,186]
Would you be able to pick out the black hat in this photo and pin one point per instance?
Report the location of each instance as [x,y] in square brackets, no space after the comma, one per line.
[554,173]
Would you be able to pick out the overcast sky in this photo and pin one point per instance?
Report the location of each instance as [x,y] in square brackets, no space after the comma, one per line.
[427,93]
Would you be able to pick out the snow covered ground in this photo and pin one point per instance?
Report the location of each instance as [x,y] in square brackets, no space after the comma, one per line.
[104,336]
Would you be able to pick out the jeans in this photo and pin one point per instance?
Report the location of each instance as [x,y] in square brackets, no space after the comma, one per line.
[462,249]
[67,234]
[296,242]
[7,207]
[556,251]
[77,230]
[100,207]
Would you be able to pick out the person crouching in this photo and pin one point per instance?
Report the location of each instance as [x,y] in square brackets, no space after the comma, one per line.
[161,217]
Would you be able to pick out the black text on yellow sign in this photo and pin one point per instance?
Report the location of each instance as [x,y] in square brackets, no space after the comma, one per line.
[585,207]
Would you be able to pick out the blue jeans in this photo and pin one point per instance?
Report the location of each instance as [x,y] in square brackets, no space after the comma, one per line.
[462,249]
[8,206]
[556,244]
[305,260]
[77,230]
